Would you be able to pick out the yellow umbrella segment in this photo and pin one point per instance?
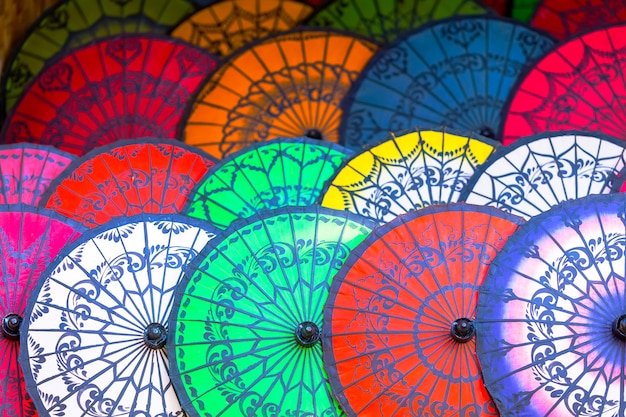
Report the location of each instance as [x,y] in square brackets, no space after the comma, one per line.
[407,172]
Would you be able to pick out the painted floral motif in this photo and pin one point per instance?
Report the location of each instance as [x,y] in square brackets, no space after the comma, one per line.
[105,293]
[533,176]
[406,173]
[242,307]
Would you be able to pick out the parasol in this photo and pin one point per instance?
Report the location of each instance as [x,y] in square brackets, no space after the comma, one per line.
[523,10]
[384,20]
[398,324]
[30,238]
[248,314]
[287,85]
[116,88]
[72,23]
[455,72]
[127,178]
[98,319]
[576,86]
[227,25]
[563,19]
[26,171]
[538,172]
[551,313]
[406,172]
[267,175]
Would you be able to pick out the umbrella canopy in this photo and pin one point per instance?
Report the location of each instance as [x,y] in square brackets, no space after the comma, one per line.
[281,172]
[538,172]
[398,324]
[523,10]
[26,171]
[98,319]
[227,25]
[30,238]
[384,20]
[117,88]
[563,19]
[127,178]
[248,315]
[455,72]
[72,23]
[287,85]
[406,172]
[551,313]
[578,85]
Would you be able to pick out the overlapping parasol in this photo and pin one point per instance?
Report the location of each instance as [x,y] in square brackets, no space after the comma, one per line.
[127,178]
[407,172]
[268,175]
[551,313]
[97,321]
[285,85]
[399,337]
[117,88]
[541,171]
[247,317]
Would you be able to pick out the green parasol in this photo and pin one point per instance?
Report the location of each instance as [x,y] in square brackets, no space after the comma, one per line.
[384,20]
[246,321]
[266,175]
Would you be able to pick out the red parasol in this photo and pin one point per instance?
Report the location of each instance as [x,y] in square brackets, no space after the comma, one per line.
[579,85]
[126,178]
[118,88]
[398,323]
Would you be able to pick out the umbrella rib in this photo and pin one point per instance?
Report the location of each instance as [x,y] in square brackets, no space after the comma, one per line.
[298,311]
[581,271]
[71,289]
[164,313]
[572,385]
[278,323]
[321,301]
[129,345]
[139,361]
[233,376]
[167,94]
[144,312]
[208,199]
[435,224]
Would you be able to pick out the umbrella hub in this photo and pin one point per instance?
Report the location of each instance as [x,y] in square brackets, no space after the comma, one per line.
[155,336]
[307,334]
[487,132]
[462,330]
[11,326]
[619,327]
[314,134]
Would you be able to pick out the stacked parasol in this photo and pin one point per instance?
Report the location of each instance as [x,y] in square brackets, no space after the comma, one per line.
[314,208]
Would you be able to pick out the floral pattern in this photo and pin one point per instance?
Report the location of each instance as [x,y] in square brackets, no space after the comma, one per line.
[282,172]
[103,293]
[405,173]
[119,88]
[463,81]
[536,174]
[547,309]
[389,318]
[132,177]
[240,309]
[29,241]
[582,88]
[26,171]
